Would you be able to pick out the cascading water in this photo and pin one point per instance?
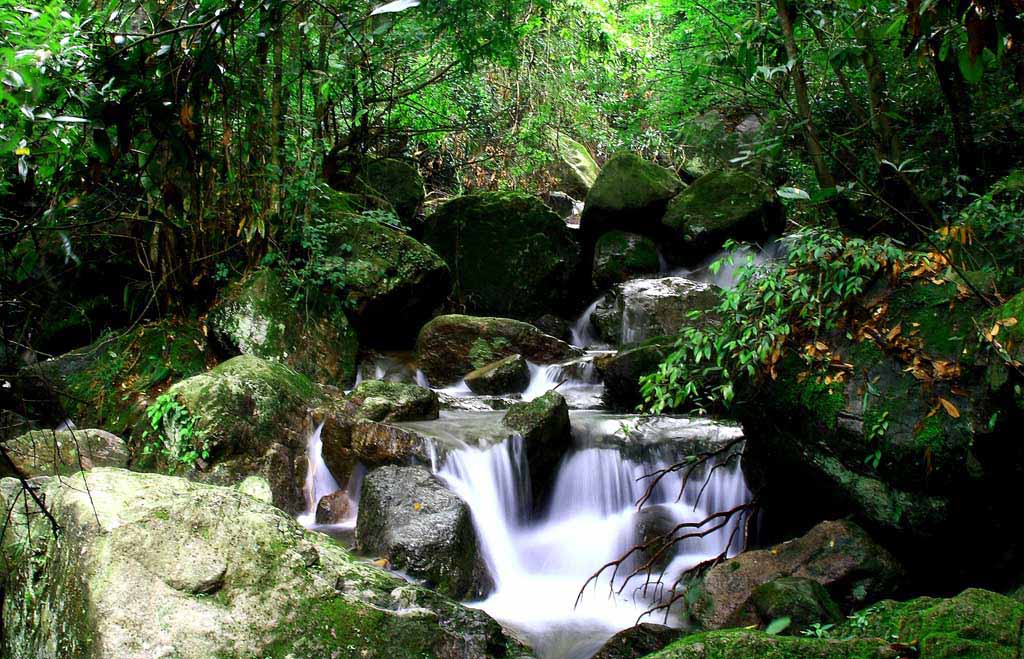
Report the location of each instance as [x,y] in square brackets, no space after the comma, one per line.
[320,483]
[539,565]
[583,331]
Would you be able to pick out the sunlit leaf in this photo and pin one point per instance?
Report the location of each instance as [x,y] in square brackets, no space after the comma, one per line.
[396,6]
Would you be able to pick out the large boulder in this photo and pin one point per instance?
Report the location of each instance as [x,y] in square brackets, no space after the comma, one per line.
[246,416]
[379,400]
[399,183]
[574,167]
[109,384]
[62,452]
[620,256]
[916,439]
[375,443]
[256,316]
[510,254]
[407,516]
[149,565]
[645,308]
[975,623]
[449,347]
[839,555]
[510,375]
[622,371]
[630,194]
[390,282]
[802,600]
[637,642]
[544,426]
[722,205]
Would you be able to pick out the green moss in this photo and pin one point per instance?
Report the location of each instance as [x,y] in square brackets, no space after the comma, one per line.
[486,351]
[746,644]
[810,399]
[628,182]
[399,183]
[620,256]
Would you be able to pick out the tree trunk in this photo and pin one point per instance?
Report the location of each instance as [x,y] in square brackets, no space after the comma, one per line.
[276,107]
[803,105]
[958,104]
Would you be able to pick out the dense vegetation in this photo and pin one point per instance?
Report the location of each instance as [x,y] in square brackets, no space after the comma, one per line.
[213,215]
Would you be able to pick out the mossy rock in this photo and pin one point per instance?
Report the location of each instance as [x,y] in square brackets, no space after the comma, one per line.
[638,641]
[622,372]
[620,256]
[108,384]
[722,205]
[804,601]
[398,182]
[543,423]
[509,253]
[379,400]
[147,561]
[510,375]
[63,452]
[746,643]
[574,167]
[257,317]
[839,555]
[392,282]
[251,416]
[451,346]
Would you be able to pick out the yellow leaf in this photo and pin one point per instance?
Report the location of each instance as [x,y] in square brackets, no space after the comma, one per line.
[950,408]
[894,332]
[381,562]
[22,151]
[417,505]
[1008,322]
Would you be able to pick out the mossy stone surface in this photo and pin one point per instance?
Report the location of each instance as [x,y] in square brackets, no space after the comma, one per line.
[257,317]
[544,426]
[379,400]
[148,561]
[622,372]
[64,452]
[451,346]
[510,375]
[746,644]
[399,182]
[804,601]
[509,253]
[620,256]
[719,206]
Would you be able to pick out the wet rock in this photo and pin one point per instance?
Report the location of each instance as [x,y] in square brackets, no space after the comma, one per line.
[563,205]
[804,601]
[407,516]
[378,443]
[398,182]
[108,384]
[637,642]
[334,508]
[451,346]
[510,375]
[510,254]
[722,205]
[544,426]
[653,525]
[839,555]
[236,576]
[249,417]
[645,308]
[553,325]
[63,452]
[621,256]
[378,400]
[257,317]
[622,371]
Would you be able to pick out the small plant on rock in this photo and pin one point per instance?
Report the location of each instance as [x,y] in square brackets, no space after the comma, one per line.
[174,434]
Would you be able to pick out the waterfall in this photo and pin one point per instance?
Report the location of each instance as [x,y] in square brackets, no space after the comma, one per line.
[539,565]
[582,330]
[320,482]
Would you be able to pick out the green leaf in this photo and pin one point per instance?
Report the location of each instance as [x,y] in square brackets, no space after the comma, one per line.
[777,626]
[973,71]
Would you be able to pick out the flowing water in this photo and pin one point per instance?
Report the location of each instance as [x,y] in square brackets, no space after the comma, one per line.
[320,482]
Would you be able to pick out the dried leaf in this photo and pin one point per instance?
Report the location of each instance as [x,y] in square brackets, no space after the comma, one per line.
[950,408]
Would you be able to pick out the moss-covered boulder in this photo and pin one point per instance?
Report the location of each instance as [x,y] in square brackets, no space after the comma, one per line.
[62,452]
[147,564]
[451,346]
[747,643]
[637,642]
[645,308]
[630,194]
[390,282]
[509,254]
[543,423]
[408,517]
[620,256]
[375,443]
[108,384]
[802,600]
[256,316]
[975,623]
[379,400]
[574,167]
[398,182]
[839,555]
[622,371]
[510,375]
[915,439]
[246,416]
[722,205]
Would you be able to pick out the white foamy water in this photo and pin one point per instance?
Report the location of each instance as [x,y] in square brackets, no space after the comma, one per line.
[320,482]
[539,565]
